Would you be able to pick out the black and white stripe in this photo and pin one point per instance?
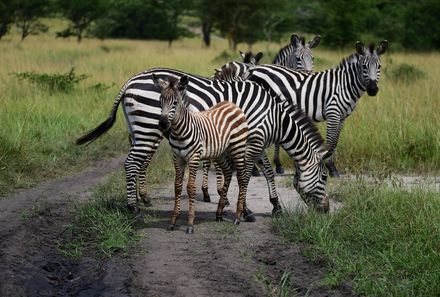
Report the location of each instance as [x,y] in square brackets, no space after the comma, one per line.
[141,106]
[329,95]
[297,54]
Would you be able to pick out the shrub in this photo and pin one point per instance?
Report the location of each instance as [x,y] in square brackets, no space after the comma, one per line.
[404,72]
[63,82]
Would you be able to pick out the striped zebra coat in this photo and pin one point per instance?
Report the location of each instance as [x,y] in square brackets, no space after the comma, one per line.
[140,101]
[219,134]
[329,95]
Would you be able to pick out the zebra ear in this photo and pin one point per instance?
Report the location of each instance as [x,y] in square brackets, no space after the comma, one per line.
[315,41]
[159,83]
[325,155]
[183,82]
[258,57]
[294,40]
[360,48]
[242,55]
[382,48]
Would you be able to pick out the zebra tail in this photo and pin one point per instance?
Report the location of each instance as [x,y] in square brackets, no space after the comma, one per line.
[94,134]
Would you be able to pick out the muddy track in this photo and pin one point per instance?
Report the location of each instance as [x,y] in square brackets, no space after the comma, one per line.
[215,261]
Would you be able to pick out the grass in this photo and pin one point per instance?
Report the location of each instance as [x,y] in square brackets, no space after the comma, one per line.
[103,224]
[281,289]
[383,242]
[396,129]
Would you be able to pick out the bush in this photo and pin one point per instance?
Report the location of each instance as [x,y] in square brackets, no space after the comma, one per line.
[63,82]
[404,72]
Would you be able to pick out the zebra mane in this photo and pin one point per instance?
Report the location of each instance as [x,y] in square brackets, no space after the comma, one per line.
[308,126]
[353,58]
[226,73]
[286,48]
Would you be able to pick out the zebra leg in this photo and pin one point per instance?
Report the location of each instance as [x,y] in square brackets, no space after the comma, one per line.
[193,165]
[220,174]
[276,159]
[255,171]
[270,177]
[142,180]
[179,167]
[334,127]
[206,166]
[239,163]
[133,163]
[222,168]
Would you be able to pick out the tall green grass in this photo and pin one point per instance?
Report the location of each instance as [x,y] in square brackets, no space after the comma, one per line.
[383,242]
[398,129]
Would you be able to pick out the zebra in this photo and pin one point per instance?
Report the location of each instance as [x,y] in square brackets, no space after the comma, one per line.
[217,133]
[329,95]
[297,54]
[140,100]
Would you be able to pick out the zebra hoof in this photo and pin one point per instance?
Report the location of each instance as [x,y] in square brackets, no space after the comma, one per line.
[276,211]
[190,230]
[250,218]
[218,218]
[171,227]
[146,200]
[227,202]
[279,169]
[134,210]
[236,222]
[334,173]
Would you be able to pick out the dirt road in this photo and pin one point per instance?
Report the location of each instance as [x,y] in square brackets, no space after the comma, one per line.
[219,259]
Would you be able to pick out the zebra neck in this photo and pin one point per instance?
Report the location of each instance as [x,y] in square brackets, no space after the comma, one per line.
[350,79]
[182,120]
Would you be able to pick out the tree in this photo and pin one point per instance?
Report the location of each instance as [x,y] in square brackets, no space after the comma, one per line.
[143,19]
[81,14]
[7,9]
[27,14]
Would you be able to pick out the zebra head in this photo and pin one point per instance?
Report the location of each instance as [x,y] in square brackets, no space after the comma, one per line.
[172,94]
[311,181]
[249,58]
[369,65]
[297,54]
[234,70]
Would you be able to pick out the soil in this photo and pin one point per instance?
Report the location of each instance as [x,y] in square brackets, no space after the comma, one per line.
[217,260]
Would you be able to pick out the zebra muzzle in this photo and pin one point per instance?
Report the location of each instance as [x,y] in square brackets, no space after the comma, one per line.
[372,88]
[164,124]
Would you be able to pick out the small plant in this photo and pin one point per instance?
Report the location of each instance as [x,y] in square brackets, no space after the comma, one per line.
[282,289]
[63,82]
[404,72]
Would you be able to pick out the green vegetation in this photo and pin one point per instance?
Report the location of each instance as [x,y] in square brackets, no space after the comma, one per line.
[282,289]
[384,241]
[396,130]
[63,82]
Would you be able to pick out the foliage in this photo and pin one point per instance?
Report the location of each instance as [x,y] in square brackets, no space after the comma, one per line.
[63,82]
[383,241]
[142,20]
[27,14]
[404,72]
[7,9]
[81,14]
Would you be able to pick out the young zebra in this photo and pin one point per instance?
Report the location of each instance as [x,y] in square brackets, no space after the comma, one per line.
[219,134]
[139,98]
[329,95]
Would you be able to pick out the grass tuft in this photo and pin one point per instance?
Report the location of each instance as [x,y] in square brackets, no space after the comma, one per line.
[103,223]
[384,241]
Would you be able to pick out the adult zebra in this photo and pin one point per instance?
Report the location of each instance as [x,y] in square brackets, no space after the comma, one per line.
[329,95]
[296,55]
[141,106]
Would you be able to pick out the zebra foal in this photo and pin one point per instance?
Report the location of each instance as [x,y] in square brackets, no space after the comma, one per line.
[219,134]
